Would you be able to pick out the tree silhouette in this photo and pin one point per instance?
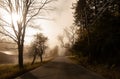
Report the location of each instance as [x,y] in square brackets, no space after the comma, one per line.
[25,11]
[101,19]
[71,34]
[38,47]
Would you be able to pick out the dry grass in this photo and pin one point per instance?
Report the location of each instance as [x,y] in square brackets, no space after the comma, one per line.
[12,71]
[102,69]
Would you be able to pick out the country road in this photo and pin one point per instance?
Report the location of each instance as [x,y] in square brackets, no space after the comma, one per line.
[60,68]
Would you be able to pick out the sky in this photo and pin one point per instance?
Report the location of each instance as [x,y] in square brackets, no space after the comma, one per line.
[61,17]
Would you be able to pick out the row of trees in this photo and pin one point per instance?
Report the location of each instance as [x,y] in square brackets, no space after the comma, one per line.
[99,32]
[21,13]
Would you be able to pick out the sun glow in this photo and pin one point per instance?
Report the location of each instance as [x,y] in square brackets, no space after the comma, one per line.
[12,19]
[15,17]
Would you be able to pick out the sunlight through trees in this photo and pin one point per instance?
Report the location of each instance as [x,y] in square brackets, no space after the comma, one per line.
[20,13]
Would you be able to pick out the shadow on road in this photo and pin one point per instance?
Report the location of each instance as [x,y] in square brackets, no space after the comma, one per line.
[28,76]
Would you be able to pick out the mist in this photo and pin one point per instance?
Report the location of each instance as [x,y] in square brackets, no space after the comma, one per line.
[59,18]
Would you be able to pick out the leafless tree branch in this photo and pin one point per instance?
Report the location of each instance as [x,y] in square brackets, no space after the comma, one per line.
[8,36]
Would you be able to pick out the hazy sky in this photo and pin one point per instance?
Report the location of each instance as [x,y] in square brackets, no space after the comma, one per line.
[61,17]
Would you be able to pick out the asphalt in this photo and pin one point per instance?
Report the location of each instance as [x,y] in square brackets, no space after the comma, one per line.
[60,68]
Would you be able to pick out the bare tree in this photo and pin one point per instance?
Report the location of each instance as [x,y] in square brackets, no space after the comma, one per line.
[61,40]
[69,37]
[71,34]
[25,11]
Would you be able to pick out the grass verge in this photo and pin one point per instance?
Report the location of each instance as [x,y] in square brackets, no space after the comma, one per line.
[12,71]
[102,69]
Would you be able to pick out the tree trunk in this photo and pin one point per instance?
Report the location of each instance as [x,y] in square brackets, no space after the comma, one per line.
[88,33]
[33,59]
[20,56]
[41,58]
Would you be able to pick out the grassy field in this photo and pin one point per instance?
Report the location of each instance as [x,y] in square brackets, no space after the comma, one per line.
[12,71]
[102,69]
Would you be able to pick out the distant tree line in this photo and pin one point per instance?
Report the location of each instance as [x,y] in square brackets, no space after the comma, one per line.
[99,32]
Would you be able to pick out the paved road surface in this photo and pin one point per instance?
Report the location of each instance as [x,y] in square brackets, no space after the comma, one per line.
[60,68]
